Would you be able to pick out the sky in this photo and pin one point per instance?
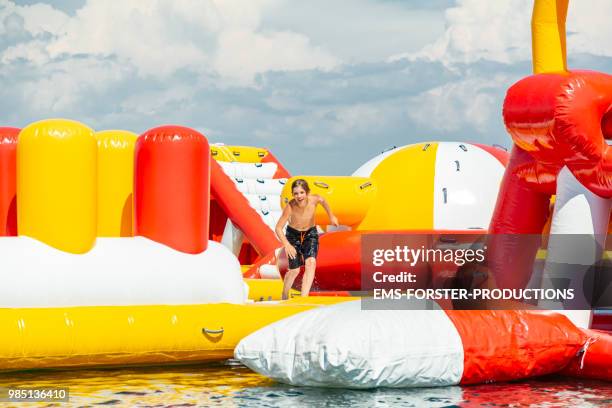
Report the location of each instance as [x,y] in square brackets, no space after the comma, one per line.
[325,85]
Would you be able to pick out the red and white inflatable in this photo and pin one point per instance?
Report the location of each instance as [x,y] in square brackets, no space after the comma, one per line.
[345,346]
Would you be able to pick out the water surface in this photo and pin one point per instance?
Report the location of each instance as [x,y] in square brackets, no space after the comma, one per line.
[232,385]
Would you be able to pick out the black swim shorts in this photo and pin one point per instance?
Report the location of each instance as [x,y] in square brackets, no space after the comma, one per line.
[306,244]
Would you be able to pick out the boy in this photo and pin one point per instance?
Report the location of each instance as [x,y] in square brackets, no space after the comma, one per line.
[301,240]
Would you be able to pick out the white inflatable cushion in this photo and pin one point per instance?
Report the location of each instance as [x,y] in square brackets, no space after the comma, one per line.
[344,346]
[116,272]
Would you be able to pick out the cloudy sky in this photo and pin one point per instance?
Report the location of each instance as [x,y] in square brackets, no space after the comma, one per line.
[324,84]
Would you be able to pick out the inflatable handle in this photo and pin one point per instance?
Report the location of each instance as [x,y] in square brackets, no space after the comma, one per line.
[321,184]
[211,331]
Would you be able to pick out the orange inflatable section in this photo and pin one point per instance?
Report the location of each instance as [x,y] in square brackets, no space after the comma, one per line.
[8,181]
[520,343]
[171,188]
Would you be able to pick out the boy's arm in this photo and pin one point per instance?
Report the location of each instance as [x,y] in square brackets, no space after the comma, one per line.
[281,223]
[289,249]
[332,218]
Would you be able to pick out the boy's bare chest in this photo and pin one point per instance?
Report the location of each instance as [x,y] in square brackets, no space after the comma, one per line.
[303,212]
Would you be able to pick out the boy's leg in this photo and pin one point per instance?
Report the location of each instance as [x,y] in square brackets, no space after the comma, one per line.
[309,273]
[288,281]
[310,248]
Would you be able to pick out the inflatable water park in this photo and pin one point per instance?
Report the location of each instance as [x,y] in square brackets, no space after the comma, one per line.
[122,250]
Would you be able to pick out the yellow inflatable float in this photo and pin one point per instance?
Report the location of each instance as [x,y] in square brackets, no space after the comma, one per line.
[78,289]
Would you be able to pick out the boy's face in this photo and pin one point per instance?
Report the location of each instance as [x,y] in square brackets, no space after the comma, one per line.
[299,194]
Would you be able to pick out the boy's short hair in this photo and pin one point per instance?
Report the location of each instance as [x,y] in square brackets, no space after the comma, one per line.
[300,183]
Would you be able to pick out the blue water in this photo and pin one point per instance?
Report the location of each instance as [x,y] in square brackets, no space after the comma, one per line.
[231,384]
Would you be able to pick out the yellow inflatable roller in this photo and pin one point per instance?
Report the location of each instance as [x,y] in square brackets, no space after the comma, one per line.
[115,182]
[350,198]
[242,154]
[121,335]
[404,202]
[56,184]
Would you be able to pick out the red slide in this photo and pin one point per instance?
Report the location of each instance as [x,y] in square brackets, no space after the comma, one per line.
[240,212]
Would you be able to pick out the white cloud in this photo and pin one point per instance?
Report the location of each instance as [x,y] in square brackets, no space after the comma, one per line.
[476,30]
[34,51]
[500,31]
[38,18]
[589,28]
[358,118]
[306,79]
[360,30]
[471,102]
[153,103]
[496,32]
[242,54]
[65,85]
[160,37]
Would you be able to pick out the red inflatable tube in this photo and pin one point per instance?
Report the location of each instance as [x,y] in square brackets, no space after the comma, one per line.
[171,188]
[511,252]
[564,119]
[517,194]
[555,120]
[8,181]
[532,343]
[238,209]
[595,359]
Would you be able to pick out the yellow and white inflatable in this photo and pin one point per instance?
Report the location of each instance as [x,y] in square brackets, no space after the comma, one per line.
[424,186]
[69,297]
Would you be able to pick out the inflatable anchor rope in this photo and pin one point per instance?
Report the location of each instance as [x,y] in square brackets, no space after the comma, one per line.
[585,348]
